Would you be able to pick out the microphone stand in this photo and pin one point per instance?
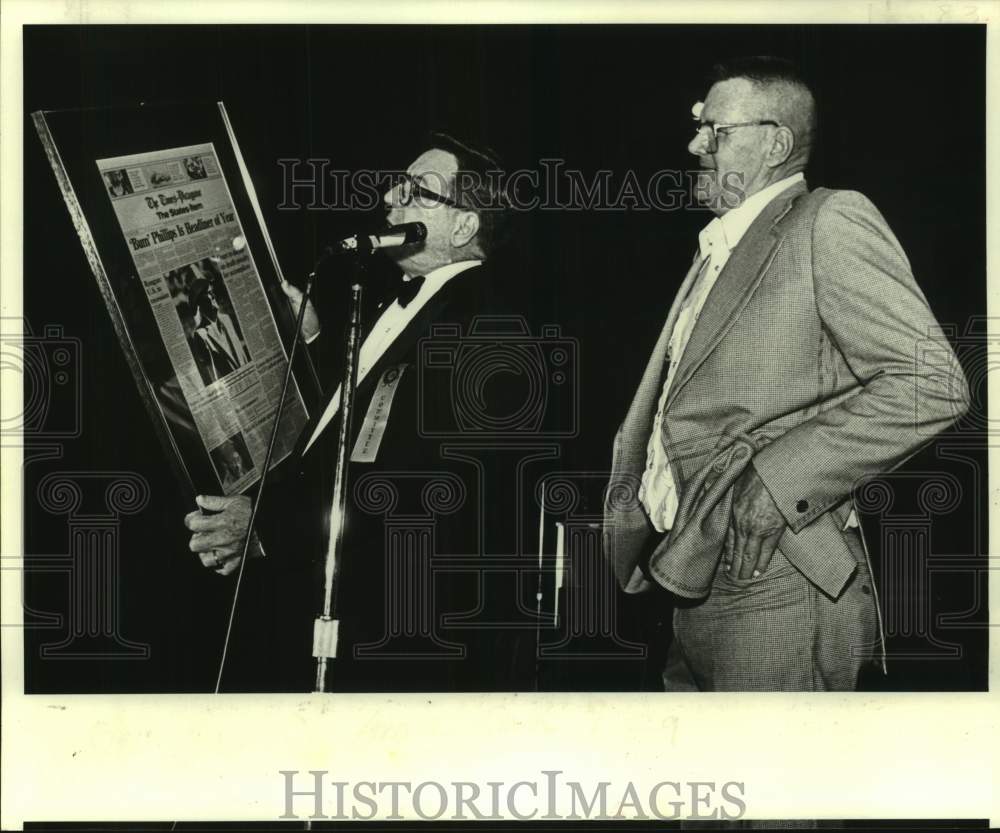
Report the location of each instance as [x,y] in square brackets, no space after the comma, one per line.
[265,470]
[326,626]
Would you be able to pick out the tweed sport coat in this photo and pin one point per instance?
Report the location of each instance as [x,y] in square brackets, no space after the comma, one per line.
[808,362]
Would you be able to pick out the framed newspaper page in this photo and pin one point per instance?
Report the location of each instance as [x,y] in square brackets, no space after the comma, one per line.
[169,222]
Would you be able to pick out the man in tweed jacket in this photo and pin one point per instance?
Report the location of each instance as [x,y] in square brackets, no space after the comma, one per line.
[789,369]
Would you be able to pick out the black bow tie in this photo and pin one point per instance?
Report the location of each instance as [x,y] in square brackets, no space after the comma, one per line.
[406,290]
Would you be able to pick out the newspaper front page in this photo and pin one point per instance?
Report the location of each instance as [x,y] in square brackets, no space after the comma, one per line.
[189,250]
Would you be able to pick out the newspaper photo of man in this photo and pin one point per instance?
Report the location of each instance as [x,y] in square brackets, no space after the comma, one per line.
[210,325]
[232,462]
[118,184]
[195,167]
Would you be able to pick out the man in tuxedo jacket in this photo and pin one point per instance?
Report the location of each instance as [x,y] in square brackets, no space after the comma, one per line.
[410,500]
[792,365]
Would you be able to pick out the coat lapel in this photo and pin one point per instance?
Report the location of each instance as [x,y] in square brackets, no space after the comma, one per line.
[639,416]
[402,345]
[626,525]
[734,287]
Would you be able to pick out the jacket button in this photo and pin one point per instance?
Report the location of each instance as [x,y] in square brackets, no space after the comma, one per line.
[802,506]
[866,589]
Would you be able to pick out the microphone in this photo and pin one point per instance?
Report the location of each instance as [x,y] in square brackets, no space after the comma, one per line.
[364,244]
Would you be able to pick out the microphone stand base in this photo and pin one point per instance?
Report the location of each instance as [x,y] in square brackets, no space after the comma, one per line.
[325,633]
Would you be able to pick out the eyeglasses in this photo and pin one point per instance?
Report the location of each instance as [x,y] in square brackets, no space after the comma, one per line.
[410,186]
[714,130]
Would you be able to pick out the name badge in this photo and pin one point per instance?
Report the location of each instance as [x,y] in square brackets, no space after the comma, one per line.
[377,418]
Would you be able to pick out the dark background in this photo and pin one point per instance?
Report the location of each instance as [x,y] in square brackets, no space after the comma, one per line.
[901,119]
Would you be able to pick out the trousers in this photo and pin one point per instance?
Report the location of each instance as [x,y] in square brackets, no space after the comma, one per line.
[776,632]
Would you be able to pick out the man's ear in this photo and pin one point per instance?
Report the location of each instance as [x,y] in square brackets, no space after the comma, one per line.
[465,228]
[781,147]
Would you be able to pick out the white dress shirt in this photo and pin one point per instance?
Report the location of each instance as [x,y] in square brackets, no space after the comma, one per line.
[390,324]
[716,242]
